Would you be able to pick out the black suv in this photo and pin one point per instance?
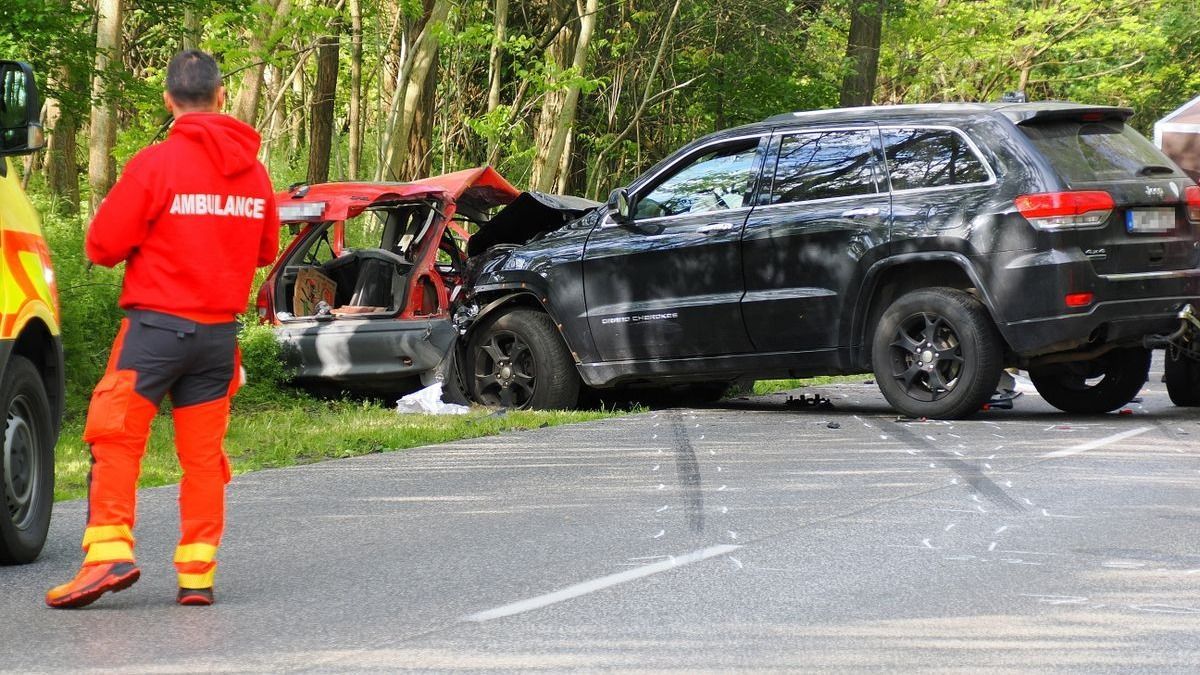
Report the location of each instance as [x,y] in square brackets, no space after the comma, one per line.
[932,244]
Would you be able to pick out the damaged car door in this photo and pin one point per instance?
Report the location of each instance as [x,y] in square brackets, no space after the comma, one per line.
[668,283]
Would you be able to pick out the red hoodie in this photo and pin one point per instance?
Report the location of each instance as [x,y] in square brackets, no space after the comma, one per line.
[191,217]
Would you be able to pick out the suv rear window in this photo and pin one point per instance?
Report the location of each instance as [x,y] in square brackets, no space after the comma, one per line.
[823,166]
[1095,151]
[926,158]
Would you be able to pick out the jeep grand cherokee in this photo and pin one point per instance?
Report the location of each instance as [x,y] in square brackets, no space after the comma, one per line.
[933,244]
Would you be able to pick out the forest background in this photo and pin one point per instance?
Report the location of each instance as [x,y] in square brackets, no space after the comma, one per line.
[574,96]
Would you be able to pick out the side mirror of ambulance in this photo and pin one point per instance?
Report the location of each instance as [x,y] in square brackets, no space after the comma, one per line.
[20,110]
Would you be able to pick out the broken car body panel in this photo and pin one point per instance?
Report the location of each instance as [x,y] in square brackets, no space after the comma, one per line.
[388,263]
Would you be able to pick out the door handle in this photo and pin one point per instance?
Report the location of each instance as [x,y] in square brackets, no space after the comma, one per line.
[715,228]
[863,212]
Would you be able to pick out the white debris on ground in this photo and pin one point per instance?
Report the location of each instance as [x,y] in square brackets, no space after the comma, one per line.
[429,401]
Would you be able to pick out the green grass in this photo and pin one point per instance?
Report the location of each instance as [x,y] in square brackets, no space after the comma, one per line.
[764,387]
[280,427]
[285,428]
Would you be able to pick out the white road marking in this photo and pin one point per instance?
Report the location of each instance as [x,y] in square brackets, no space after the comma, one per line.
[1098,443]
[593,585]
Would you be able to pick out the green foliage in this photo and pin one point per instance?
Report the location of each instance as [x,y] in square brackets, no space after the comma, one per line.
[300,430]
[88,300]
[266,374]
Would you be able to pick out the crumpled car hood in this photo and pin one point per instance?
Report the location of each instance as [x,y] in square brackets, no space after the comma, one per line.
[530,214]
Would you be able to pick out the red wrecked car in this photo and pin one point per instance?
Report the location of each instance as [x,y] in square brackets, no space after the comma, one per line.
[362,297]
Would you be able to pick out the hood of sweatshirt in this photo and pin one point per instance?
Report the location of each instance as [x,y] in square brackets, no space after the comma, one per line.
[231,144]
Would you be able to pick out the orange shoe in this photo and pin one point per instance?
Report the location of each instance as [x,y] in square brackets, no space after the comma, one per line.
[196,597]
[93,581]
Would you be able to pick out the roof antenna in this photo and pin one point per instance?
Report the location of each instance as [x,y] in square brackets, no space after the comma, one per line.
[1014,97]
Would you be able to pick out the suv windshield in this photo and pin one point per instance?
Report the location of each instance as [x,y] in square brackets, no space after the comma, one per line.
[1097,151]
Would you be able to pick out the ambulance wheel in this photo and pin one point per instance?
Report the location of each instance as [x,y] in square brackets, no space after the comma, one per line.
[1183,380]
[27,469]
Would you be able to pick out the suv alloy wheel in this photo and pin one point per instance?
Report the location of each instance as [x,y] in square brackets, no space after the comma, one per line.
[936,354]
[518,360]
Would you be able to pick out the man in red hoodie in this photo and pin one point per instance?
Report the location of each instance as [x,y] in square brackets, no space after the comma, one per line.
[191,218]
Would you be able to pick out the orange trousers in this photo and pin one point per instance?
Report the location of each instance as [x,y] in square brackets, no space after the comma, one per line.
[197,365]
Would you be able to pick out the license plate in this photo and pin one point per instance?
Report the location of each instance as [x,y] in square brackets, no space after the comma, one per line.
[1151,221]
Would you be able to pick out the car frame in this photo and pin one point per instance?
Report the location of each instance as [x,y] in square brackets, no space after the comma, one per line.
[711,299]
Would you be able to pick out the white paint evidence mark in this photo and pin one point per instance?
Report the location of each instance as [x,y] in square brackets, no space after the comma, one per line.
[593,585]
[1098,443]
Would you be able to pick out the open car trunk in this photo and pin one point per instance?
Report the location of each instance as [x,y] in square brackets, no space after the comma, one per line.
[359,268]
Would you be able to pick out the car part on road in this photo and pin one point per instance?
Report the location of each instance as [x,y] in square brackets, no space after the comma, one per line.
[27,470]
[517,359]
[1093,387]
[936,354]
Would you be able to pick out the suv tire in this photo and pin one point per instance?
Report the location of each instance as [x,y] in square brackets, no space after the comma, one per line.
[522,352]
[1064,385]
[936,354]
[28,450]
[1182,375]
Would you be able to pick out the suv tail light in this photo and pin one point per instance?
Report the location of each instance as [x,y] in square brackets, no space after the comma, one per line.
[1066,210]
[263,304]
[1192,194]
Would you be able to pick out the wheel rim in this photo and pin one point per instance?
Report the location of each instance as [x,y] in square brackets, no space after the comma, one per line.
[505,372]
[927,357]
[22,461]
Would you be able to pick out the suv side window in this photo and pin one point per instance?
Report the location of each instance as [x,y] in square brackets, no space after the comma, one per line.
[822,165]
[925,158]
[716,180]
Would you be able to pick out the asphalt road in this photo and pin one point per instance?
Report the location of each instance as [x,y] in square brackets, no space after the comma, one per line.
[752,536]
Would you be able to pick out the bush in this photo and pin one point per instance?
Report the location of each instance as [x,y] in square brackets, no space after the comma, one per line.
[266,374]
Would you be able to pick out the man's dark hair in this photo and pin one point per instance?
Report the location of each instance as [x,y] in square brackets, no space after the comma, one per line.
[193,78]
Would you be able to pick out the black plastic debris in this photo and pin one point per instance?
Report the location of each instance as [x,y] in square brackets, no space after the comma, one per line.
[834,425]
[805,401]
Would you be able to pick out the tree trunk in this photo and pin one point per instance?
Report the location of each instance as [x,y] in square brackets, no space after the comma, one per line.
[324,95]
[62,151]
[245,104]
[102,135]
[192,29]
[495,61]
[558,112]
[862,52]
[355,122]
[423,52]
[419,162]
